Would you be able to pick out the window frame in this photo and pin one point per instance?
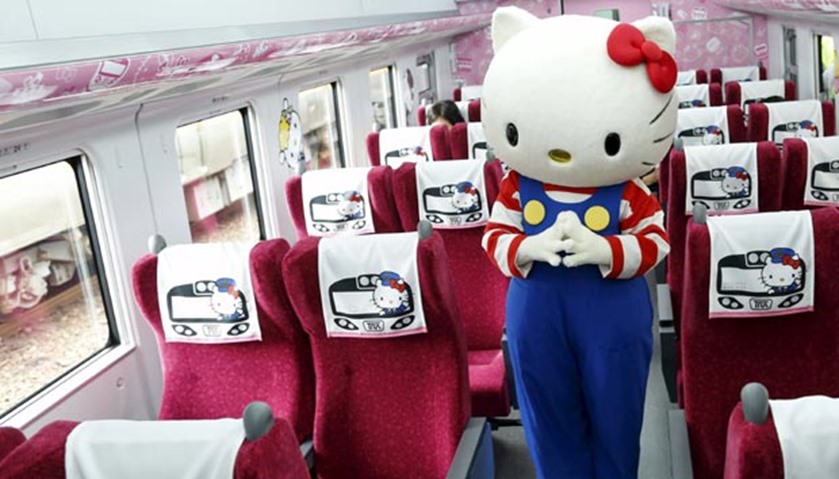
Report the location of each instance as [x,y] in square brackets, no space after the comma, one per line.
[247,112]
[339,106]
[120,339]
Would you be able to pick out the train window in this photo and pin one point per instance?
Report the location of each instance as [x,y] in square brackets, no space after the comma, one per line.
[53,310]
[825,66]
[217,177]
[319,115]
[426,79]
[381,94]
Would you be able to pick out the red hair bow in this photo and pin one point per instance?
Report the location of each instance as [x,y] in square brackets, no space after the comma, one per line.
[741,175]
[788,261]
[627,46]
[397,285]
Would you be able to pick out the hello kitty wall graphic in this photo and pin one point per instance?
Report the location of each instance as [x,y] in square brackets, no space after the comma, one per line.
[374,303]
[291,137]
[764,276]
[218,307]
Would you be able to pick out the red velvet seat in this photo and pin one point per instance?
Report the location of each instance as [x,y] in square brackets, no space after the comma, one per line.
[457,94]
[736,134]
[481,305]
[733,92]
[380,190]
[795,174]
[788,354]
[218,381]
[273,456]
[753,451]
[771,183]
[10,438]
[716,74]
[386,407]
[438,138]
[459,142]
[759,120]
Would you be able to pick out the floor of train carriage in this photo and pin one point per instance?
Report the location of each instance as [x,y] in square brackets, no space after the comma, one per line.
[512,459]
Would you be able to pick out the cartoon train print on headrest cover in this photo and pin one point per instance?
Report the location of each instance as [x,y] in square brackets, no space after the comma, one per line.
[702,135]
[212,302]
[374,303]
[776,273]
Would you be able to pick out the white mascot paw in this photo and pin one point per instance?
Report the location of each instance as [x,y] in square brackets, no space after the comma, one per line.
[544,247]
[583,245]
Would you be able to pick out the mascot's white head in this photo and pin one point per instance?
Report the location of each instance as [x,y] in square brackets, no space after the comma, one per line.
[580,101]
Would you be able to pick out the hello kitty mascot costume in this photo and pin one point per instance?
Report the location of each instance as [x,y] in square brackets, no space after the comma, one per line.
[579,108]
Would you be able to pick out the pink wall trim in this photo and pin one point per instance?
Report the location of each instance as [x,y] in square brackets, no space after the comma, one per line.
[33,87]
[698,46]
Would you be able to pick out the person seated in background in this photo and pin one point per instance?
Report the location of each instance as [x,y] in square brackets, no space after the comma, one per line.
[446,113]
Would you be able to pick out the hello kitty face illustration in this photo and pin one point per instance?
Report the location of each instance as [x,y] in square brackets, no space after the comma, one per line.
[226,300]
[807,129]
[391,294]
[351,205]
[713,136]
[465,197]
[783,271]
[736,182]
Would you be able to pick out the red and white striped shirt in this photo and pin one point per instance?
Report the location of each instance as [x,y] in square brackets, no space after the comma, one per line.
[642,244]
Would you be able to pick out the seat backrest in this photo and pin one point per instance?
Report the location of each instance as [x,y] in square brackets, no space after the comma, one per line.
[701,76]
[760,130]
[474,111]
[363,429]
[437,141]
[275,455]
[770,181]
[788,354]
[379,189]
[727,74]
[482,308]
[459,141]
[10,438]
[700,125]
[822,175]
[218,381]
[766,91]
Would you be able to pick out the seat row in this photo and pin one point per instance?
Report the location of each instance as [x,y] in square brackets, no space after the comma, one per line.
[461,206]
[326,386]
[394,146]
[743,178]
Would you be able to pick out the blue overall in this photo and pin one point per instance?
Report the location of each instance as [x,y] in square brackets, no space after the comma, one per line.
[581,348]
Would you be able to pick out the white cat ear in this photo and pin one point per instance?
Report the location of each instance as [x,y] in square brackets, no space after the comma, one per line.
[507,22]
[659,30]
[768,260]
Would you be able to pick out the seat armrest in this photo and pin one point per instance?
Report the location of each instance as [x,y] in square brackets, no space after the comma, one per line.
[474,458]
[307,450]
[508,371]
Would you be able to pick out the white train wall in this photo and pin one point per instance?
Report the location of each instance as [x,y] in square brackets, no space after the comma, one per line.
[133,159]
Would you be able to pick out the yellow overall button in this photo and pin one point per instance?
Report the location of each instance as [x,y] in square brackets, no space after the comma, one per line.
[597,218]
[534,212]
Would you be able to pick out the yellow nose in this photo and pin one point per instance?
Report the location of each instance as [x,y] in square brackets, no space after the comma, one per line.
[559,155]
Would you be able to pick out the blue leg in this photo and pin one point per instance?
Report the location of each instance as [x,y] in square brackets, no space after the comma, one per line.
[615,339]
[548,383]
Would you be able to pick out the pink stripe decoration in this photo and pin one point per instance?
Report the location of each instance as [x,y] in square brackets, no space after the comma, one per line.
[831,6]
[29,88]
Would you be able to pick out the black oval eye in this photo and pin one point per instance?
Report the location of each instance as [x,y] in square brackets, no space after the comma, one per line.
[613,144]
[512,134]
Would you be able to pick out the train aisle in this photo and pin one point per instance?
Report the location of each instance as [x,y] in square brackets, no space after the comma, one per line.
[512,460]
